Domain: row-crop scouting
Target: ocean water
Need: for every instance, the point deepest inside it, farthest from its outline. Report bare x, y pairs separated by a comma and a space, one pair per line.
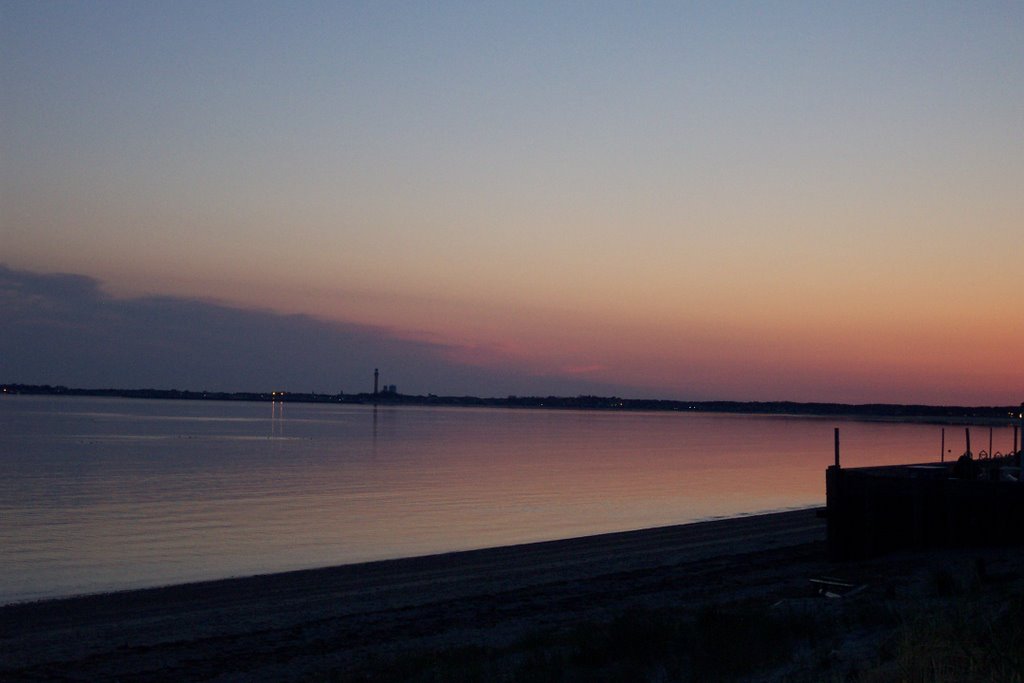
102, 494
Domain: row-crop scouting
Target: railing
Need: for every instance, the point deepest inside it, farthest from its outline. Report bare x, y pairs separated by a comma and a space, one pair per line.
989, 453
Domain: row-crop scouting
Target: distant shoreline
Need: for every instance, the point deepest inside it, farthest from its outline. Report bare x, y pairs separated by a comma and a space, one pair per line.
883, 412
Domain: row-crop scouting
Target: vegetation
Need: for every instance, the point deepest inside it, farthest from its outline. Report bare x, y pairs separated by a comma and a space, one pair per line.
647, 644
879, 411
956, 627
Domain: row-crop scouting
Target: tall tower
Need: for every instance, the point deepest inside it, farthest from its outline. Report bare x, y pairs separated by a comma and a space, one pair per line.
376, 378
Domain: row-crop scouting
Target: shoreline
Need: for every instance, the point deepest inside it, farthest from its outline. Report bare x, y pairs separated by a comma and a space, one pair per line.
668, 599
707, 533
994, 416
185, 620
552, 545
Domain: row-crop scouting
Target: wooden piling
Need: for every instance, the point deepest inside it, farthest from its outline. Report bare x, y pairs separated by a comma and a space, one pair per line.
1021, 416
837, 447
1020, 452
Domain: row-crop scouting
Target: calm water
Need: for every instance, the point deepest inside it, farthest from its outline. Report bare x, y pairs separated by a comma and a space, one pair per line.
102, 494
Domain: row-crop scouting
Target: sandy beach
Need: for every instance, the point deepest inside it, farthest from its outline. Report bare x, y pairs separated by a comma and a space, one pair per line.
420, 617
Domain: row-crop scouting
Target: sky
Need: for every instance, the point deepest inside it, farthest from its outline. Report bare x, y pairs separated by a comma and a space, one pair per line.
725, 200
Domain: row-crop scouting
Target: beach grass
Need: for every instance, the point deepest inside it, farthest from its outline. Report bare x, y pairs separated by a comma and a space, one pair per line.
637, 645
947, 627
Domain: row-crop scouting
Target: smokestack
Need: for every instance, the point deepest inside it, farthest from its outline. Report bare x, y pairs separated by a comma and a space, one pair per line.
376, 378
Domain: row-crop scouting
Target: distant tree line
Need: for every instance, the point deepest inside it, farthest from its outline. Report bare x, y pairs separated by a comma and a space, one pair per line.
882, 411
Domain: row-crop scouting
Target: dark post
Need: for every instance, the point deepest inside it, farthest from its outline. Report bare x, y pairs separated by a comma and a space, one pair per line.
1021, 415
990, 442
942, 447
837, 447
967, 430
835, 514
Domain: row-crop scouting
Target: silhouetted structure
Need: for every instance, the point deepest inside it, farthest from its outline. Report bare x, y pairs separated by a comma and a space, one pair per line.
376, 379
874, 510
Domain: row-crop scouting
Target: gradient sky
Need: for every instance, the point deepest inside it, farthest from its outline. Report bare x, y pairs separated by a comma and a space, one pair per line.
778, 200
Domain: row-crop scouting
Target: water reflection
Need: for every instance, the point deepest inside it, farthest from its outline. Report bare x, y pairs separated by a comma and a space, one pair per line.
276, 419
108, 493
375, 410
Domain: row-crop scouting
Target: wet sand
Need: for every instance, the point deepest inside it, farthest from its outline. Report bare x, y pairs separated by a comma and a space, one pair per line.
348, 621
